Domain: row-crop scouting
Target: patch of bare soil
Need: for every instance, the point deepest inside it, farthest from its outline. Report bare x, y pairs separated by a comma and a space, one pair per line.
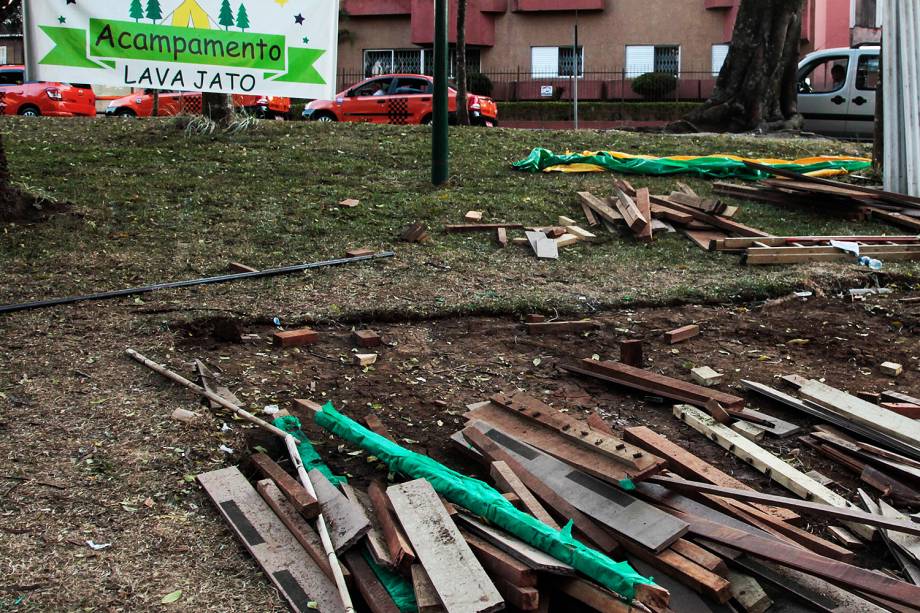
20, 207
89, 453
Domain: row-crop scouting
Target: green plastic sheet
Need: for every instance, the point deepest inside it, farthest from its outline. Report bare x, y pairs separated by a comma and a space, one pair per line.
486, 502
709, 167
399, 589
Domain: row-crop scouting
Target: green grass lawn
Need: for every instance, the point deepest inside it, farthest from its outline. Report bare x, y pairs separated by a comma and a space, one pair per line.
153, 205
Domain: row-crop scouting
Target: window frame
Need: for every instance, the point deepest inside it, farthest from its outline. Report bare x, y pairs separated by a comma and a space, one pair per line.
867, 57
809, 68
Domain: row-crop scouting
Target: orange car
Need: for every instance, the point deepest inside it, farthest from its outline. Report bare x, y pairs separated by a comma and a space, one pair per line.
140, 104
399, 99
34, 98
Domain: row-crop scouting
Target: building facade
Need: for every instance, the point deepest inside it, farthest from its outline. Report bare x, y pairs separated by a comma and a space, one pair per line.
527, 48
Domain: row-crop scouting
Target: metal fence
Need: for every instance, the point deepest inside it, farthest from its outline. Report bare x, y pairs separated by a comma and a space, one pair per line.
521, 84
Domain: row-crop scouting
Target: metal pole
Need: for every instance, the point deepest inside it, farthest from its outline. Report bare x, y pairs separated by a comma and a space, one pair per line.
577, 65
291, 444
271, 272
439, 150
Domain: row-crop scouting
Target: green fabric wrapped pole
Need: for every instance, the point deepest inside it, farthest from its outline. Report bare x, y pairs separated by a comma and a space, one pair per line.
486, 502
709, 166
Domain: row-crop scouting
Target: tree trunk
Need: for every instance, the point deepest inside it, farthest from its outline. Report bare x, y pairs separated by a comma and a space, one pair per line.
217, 107
757, 89
463, 113
156, 103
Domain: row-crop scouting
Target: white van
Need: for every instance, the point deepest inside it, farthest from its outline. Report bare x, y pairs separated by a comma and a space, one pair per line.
837, 91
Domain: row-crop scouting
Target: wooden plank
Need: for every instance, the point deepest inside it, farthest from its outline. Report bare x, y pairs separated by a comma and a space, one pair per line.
644, 205
773, 426
578, 431
507, 481
481, 227
826, 568
458, 578
767, 259
738, 243
704, 558
426, 597
592, 595
376, 544
748, 431
678, 217
519, 598
401, 552
748, 594
629, 211
346, 521
684, 570
592, 533
516, 548
298, 526
302, 584
302, 501
552, 443
720, 223
375, 596
501, 237
852, 513
704, 238
609, 506
891, 396
584, 198
500, 564
654, 383
765, 462
862, 412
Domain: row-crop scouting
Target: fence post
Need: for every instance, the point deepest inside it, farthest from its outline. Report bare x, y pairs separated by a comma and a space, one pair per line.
623, 86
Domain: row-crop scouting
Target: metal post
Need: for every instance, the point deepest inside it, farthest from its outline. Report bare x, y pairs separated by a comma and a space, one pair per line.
576, 65
439, 151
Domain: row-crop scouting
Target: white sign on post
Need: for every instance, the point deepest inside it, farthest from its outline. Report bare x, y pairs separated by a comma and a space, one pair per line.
266, 47
546, 91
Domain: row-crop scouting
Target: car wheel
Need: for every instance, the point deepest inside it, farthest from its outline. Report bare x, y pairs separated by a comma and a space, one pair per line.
326, 118
125, 113
426, 120
29, 111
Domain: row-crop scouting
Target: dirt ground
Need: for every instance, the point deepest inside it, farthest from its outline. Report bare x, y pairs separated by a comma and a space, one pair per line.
89, 452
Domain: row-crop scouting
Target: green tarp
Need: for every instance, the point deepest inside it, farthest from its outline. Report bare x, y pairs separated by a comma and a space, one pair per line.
486, 502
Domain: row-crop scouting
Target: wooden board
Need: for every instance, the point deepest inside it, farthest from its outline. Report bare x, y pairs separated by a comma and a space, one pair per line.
822, 510
426, 598
704, 238
302, 501
376, 597
798, 255
552, 443
346, 521
826, 568
298, 526
780, 428
597, 207
608, 505
376, 544
457, 576
298, 579
862, 412
654, 383
690, 466
765, 462
401, 552
629, 211
578, 432
508, 482
748, 593
500, 564
643, 203
210, 383
516, 548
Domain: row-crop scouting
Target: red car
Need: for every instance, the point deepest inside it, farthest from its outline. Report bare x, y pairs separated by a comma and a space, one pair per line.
399, 99
33, 98
175, 103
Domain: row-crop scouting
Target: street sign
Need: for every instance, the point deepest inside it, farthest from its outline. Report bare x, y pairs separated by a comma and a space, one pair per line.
267, 47
546, 91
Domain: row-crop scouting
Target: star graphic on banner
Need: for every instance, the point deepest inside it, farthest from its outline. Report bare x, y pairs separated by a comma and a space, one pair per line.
62, 19
306, 40
299, 19
281, 2
71, 1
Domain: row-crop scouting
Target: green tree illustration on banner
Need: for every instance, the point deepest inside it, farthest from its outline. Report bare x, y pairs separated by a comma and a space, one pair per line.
137, 11
242, 18
154, 12
226, 15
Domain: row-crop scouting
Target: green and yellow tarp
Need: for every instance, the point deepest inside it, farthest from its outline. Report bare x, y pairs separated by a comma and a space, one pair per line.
716, 166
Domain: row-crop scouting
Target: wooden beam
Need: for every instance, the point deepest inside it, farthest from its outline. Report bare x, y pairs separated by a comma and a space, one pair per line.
620, 512
748, 594
654, 383
375, 596
426, 598
347, 522
400, 550
629, 211
823, 510
507, 481
481, 227
302, 501
458, 578
516, 548
644, 205
376, 544
500, 564
593, 595
595, 205
301, 583
577, 431
765, 462
831, 570
704, 558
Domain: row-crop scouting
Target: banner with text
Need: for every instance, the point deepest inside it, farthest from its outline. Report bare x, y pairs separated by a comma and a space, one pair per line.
265, 47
